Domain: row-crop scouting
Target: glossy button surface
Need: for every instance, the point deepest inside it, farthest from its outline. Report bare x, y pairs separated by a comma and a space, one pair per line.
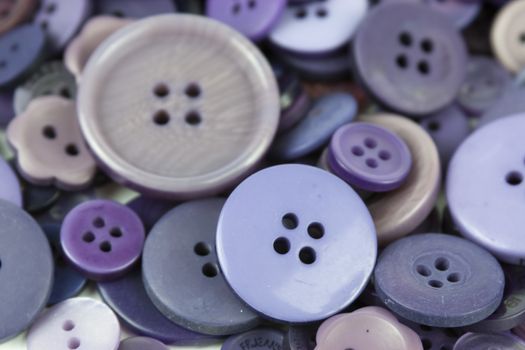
199, 131
369, 157
284, 245
49, 145
480, 341
102, 238
485, 189
179, 261
507, 36
430, 279
398, 212
253, 18
318, 27
26, 270
75, 324
410, 58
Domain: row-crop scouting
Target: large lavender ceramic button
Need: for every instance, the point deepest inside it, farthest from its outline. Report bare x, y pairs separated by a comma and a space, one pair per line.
485, 188
285, 246
203, 111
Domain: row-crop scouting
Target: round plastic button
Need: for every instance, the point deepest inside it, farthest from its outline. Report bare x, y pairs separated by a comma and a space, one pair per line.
484, 189
199, 131
369, 157
179, 261
480, 341
430, 279
300, 338
133, 8
366, 328
14, 13
67, 282
102, 239
150, 210
460, 12
284, 245
63, 204
141, 343
512, 102
253, 18
126, 293
78, 323
507, 36
26, 270
318, 27
61, 19
10, 189
49, 145
258, 339
399, 212
410, 58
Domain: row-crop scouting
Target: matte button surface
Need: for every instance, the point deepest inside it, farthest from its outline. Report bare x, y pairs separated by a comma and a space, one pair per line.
253, 18
61, 19
150, 210
199, 131
369, 157
433, 338
75, 324
6, 108
26, 270
285, 245
257, 339
141, 343
480, 341
51, 78
10, 189
93, 33
410, 58
128, 298
507, 39
14, 13
366, 328
512, 102
300, 338
485, 83
21, 49
485, 189
318, 27
430, 279
179, 261
67, 282
398, 212
314, 131
102, 238
49, 145
133, 8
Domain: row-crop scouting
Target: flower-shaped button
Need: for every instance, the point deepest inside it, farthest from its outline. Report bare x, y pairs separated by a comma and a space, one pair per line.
369, 157
285, 242
103, 239
49, 145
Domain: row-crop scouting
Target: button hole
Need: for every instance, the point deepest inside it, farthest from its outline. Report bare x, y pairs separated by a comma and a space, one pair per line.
115, 232
209, 270
105, 247
88, 237
281, 245
307, 255
201, 249
290, 221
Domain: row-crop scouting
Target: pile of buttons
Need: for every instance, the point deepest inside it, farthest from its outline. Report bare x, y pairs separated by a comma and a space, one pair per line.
262, 174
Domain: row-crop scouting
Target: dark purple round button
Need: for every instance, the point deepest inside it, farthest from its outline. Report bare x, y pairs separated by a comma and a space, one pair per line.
150, 210
133, 8
253, 18
26, 270
288, 246
181, 274
141, 343
431, 279
103, 239
128, 298
257, 339
300, 338
369, 157
410, 58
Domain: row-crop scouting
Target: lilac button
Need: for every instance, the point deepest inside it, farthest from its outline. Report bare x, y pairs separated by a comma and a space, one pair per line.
410, 58
318, 27
481, 341
78, 323
286, 246
511, 102
141, 343
101, 238
369, 157
461, 13
133, 8
10, 189
485, 188
253, 18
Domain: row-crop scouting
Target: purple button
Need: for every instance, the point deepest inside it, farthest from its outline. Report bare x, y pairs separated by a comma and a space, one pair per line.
253, 18
410, 58
481, 341
141, 343
150, 210
78, 323
10, 189
485, 188
369, 157
461, 13
26, 270
101, 238
277, 238
133, 8
257, 339
318, 27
